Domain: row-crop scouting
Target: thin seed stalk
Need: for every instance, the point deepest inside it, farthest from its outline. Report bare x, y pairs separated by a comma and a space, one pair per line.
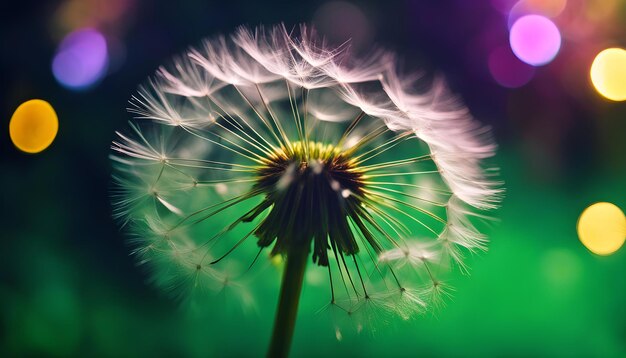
284, 324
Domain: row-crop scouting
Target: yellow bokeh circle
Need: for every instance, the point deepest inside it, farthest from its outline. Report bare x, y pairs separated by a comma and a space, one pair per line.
608, 74
602, 228
33, 126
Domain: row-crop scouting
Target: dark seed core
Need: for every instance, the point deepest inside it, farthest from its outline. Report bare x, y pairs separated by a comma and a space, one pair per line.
313, 194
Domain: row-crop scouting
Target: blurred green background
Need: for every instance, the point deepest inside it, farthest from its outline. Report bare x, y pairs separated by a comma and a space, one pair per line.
68, 286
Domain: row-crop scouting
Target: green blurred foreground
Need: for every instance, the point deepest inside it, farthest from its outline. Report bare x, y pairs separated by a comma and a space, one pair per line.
537, 292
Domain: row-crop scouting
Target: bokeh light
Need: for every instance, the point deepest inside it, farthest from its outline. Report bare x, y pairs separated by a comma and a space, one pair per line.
102, 14
508, 70
602, 228
503, 6
33, 126
547, 8
81, 60
535, 39
608, 74
550, 8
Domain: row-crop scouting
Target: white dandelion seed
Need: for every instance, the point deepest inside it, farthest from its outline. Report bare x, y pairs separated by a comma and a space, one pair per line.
272, 140
415, 253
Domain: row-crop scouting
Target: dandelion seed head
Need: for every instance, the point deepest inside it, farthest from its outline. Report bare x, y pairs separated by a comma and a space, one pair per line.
270, 139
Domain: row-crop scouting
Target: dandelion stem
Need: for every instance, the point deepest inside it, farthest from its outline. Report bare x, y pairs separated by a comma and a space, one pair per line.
287, 310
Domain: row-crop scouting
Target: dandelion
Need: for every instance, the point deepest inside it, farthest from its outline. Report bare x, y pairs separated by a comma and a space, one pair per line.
272, 144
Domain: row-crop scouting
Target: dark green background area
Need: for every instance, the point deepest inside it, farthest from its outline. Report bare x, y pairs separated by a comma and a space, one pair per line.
69, 287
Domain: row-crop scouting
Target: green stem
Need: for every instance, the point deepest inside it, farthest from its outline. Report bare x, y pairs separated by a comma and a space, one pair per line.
287, 310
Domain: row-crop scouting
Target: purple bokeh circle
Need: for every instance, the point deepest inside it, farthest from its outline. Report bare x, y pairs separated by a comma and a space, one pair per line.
81, 59
508, 70
535, 39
